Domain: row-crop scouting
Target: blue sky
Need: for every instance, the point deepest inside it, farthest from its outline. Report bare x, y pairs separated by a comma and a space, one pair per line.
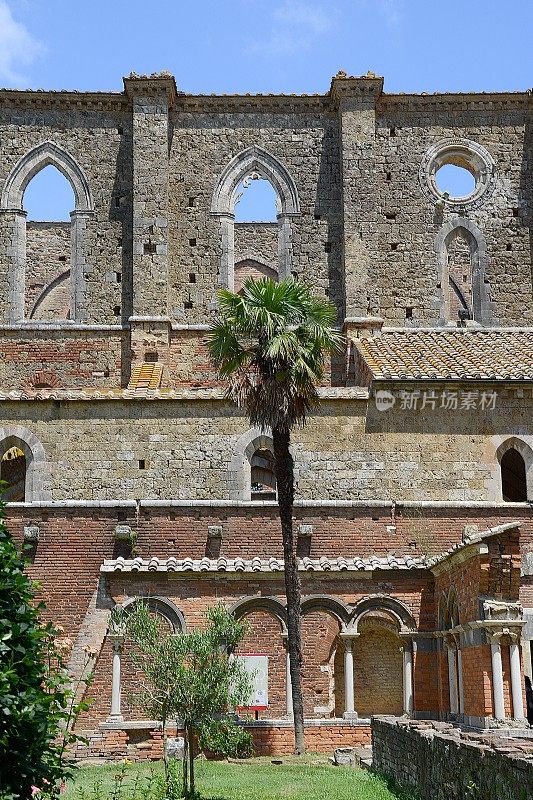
275, 46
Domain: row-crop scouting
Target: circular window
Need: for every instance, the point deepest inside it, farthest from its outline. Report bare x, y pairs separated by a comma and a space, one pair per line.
457, 182
457, 172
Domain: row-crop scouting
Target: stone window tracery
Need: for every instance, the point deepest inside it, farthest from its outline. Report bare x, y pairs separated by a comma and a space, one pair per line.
249, 165
46, 286
464, 291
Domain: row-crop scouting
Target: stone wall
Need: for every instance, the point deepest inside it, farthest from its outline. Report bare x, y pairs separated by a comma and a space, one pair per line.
439, 762
47, 270
127, 447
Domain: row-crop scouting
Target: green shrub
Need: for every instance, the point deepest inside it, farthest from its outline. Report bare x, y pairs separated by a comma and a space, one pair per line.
223, 737
36, 703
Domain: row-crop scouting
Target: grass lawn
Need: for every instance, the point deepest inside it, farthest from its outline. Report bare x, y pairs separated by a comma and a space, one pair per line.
251, 780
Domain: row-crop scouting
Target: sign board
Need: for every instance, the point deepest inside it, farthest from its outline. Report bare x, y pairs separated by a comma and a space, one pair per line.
257, 667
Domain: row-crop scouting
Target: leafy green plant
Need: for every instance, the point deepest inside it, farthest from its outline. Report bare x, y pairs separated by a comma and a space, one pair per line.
224, 738
189, 676
37, 702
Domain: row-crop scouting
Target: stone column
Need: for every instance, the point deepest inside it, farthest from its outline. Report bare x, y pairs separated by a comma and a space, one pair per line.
349, 691
460, 678
407, 678
13, 221
497, 680
78, 265
117, 643
516, 682
288, 683
355, 100
452, 677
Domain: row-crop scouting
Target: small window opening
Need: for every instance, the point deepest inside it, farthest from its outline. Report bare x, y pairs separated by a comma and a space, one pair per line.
514, 482
394, 246
192, 242
392, 131
116, 311
515, 212
388, 176
391, 216
456, 181
149, 248
191, 202
118, 277
263, 479
409, 312
192, 277
151, 357
255, 200
62, 259
509, 246
13, 472
120, 131
142, 463
187, 304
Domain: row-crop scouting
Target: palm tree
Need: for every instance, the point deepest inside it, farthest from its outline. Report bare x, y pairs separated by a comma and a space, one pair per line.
271, 342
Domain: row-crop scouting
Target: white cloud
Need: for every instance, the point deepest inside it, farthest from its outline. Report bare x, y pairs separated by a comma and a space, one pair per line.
295, 27
18, 48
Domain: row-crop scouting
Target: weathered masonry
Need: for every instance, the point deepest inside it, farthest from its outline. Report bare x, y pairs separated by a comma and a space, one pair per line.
131, 476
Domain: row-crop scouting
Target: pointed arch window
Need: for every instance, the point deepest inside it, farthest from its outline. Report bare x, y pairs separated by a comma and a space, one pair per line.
463, 287
255, 165
47, 262
514, 477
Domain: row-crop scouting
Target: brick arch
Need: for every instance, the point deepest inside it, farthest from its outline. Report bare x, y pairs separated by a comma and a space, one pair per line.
397, 611
330, 605
269, 605
252, 268
43, 155
162, 606
37, 466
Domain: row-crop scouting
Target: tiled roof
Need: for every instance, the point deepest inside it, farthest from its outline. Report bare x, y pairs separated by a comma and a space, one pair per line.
323, 564
257, 564
449, 355
143, 393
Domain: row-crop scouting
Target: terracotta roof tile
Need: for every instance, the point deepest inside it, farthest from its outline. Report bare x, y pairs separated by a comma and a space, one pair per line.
449, 355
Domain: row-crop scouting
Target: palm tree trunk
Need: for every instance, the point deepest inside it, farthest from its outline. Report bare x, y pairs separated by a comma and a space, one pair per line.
284, 469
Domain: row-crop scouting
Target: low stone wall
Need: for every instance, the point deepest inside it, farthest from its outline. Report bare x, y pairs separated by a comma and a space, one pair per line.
142, 741
440, 762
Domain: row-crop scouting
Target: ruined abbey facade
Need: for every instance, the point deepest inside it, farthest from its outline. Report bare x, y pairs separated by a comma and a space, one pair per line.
129, 475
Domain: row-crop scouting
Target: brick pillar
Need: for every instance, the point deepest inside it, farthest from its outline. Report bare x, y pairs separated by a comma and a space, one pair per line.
151, 99
355, 101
